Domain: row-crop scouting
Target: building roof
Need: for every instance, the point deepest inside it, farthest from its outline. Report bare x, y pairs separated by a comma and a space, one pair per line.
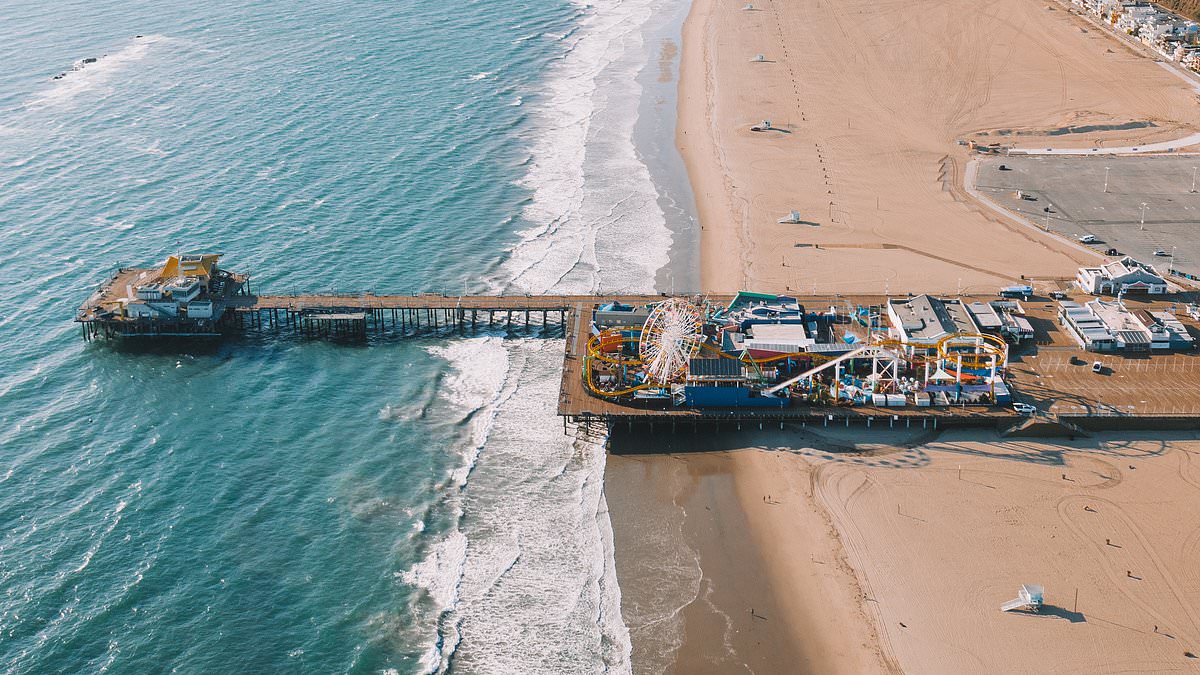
720, 368
779, 332
1133, 337
986, 316
1128, 270
189, 265
746, 300
926, 318
1115, 317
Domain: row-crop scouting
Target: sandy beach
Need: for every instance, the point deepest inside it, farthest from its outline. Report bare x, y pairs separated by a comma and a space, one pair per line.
843, 551
728, 565
870, 101
895, 556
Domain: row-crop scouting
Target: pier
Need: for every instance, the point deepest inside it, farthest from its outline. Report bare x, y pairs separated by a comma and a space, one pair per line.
138, 303
190, 297
365, 314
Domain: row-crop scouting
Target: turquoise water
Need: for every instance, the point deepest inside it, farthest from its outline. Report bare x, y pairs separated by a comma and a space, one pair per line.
283, 505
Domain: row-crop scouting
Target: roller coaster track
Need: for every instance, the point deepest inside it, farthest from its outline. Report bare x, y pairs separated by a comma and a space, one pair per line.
991, 346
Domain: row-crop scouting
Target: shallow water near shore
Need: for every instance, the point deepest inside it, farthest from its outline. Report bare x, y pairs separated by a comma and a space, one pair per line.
268, 505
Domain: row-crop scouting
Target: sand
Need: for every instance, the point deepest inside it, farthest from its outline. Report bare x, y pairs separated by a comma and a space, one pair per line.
946, 532
895, 557
727, 565
873, 99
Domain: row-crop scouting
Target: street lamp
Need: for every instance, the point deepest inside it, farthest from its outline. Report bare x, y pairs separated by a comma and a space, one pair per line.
1047, 225
1106, 179
1143, 225
1194, 178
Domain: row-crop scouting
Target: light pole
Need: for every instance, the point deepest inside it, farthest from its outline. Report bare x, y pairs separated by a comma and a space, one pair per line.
1194, 178
1143, 225
1171, 269
1047, 225
1106, 179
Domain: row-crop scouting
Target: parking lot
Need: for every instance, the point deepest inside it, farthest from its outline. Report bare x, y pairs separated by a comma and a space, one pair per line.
1073, 189
1162, 384
1056, 374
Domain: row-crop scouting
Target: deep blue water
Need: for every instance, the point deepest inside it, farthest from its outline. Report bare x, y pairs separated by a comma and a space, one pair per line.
284, 505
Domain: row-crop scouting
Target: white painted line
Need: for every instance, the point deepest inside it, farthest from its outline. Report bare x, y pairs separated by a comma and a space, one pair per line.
1162, 146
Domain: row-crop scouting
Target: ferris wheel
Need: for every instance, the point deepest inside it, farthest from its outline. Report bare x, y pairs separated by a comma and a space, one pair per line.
670, 338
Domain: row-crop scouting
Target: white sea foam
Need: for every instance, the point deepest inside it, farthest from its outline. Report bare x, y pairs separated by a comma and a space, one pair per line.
439, 572
596, 220
538, 590
155, 149
94, 76
475, 385
527, 583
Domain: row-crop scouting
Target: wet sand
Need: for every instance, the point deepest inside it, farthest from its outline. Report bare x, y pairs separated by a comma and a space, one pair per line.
896, 556
726, 565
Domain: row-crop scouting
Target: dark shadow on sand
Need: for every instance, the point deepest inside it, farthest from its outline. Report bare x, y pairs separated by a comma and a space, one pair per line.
1062, 613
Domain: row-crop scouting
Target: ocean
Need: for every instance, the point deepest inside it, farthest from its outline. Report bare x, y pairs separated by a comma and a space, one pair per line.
285, 505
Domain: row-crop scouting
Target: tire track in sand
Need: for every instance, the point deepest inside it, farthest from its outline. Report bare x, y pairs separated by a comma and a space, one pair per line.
1135, 548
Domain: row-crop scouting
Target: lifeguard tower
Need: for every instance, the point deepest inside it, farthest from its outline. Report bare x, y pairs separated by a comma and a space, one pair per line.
1029, 599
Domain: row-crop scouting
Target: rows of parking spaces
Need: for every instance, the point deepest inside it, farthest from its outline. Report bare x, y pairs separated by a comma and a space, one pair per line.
1067, 382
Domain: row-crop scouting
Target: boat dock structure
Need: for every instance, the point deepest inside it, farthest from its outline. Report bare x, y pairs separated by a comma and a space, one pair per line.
1014, 360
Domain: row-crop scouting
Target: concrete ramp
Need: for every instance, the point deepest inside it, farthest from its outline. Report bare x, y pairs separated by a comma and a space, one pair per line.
1043, 426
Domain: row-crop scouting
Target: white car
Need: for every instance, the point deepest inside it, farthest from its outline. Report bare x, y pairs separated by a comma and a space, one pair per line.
1024, 408
1088, 239
1161, 253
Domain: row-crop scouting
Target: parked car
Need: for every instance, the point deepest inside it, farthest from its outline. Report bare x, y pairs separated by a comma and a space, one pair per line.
1161, 253
1058, 295
1112, 252
1024, 408
1088, 239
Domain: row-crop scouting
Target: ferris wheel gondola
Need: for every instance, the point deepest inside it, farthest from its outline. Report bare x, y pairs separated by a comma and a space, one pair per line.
670, 338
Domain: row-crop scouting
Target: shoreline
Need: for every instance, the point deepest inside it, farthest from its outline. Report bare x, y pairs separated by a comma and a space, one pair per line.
654, 142
694, 138
716, 577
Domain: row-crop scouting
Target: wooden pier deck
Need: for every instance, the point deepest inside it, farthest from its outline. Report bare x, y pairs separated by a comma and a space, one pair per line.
1153, 391
364, 313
